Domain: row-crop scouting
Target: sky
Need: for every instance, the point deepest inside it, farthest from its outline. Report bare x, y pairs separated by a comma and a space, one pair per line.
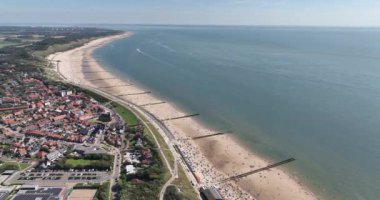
193, 12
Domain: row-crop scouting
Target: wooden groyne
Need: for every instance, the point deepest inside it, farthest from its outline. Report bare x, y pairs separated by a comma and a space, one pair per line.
137, 93
125, 85
101, 79
89, 72
181, 117
210, 135
258, 170
154, 103
88, 60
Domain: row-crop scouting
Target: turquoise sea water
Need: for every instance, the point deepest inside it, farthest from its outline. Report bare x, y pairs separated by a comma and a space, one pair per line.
308, 93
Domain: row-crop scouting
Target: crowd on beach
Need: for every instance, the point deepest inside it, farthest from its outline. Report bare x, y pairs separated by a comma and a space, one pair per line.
209, 176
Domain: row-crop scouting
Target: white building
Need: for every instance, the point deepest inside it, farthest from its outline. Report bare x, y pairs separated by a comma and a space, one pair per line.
53, 155
130, 169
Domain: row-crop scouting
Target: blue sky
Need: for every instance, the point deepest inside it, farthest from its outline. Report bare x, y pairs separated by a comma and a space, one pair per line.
216, 12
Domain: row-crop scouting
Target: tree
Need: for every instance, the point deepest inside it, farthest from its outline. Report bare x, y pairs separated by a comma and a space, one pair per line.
172, 193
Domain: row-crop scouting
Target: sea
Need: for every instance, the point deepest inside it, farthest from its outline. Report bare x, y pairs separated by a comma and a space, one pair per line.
312, 93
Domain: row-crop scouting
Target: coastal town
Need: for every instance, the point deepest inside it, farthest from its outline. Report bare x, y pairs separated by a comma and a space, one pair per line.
189, 100
62, 136
70, 135
51, 129
57, 141
57, 136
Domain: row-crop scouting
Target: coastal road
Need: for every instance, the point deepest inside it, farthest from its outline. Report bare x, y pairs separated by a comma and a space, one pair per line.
152, 120
164, 131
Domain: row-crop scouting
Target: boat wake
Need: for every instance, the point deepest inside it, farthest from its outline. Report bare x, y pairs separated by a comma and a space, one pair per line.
166, 47
152, 57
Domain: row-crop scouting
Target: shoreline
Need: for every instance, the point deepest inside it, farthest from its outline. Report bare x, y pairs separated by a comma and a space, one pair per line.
215, 158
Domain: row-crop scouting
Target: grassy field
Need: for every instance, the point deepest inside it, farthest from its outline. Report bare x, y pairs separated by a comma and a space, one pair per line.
93, 161
23, 165
183, 183
76, 162
13, 166
6, 43
126, 114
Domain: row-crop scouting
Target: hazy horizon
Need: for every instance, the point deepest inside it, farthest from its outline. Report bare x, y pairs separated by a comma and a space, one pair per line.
351, 13
113, 25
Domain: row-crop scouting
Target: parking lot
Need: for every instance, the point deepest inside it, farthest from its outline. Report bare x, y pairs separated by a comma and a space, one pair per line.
58, 177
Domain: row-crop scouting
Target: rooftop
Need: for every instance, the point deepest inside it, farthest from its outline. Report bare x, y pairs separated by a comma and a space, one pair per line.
3, 195
45, 193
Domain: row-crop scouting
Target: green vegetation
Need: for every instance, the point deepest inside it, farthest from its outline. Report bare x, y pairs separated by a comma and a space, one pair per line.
187, 192
168, 154
103, 192
126, 114
92, 161
29, 55
7, 43
12, 166
77, 162
23, 165
87, 186
56, 44
102, 189
94, 95
183, 184
147, 182
173, 193
5, 148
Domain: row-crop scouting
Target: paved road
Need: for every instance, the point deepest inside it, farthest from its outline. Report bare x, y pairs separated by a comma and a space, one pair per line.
173, 172
154, 121
116, 170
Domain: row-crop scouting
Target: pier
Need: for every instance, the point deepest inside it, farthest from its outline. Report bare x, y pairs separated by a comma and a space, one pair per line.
210, 135
233, 178
181, 117
137, 93
154, 103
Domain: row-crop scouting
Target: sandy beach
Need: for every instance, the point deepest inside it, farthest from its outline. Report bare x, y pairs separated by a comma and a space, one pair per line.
213, 158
